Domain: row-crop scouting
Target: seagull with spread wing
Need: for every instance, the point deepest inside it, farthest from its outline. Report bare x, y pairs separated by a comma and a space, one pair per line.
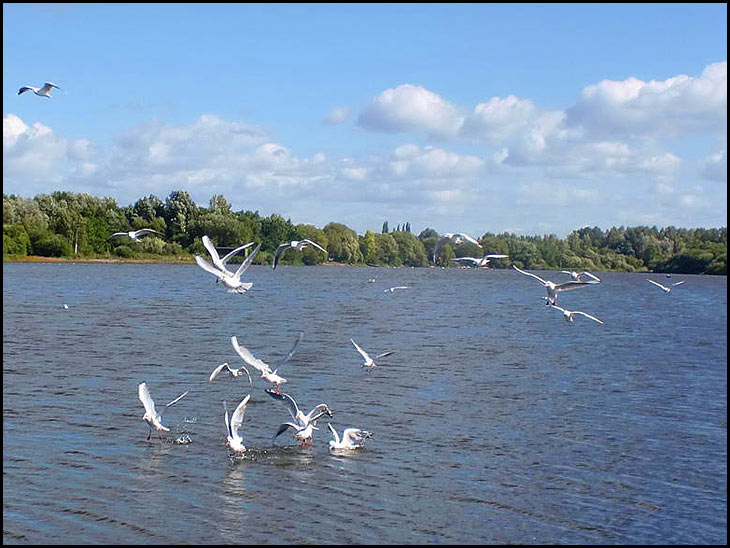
352, 438
553, 289
234, 439
231, 281
268, 374
303, 425
234, 372
217, 261
133, 235
45, 91
664, 287
569, 315
294, 244
151, 416
370, 362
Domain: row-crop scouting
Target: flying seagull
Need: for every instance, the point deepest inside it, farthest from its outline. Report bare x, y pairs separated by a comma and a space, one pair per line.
578, 275
294, 244
570, 315
268, 374
235, 441
370, 362
231, 281
484, 261
45, 91
151, 416
134, 235
352, 438
455, 238
234, 372
304, 425
553, 288
664, 287
217, 261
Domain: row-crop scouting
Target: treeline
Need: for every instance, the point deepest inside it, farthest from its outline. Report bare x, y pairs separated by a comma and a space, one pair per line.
64, 224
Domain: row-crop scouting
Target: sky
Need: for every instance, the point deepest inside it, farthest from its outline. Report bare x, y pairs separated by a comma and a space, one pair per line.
527, 118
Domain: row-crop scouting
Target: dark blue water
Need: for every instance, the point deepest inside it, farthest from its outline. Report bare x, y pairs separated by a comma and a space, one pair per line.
495, 422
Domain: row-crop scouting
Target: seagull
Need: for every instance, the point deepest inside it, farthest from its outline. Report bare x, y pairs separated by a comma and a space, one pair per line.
267, 373
303, 424
231, 281
65, 307
235, 441
577, 275
553, 288
134, 235
370, 362
392, 289
45, 91
352, 438
217, 261
569, 315
664, 287
151, 416
294, 244
479, 262
234, 372
455, 238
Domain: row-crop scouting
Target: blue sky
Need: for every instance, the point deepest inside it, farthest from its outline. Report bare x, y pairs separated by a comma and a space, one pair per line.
530, 118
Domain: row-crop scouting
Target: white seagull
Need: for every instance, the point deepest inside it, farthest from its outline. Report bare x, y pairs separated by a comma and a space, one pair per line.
231, 281
217, 261
392, 289
134, 235
569, 315
459, 237
352, 438
479, 262
370, 362
304, 425
45, 91
151, 416
235, 441
234, 372
553, 288
577, 275
664, 287
268, 374
294, 244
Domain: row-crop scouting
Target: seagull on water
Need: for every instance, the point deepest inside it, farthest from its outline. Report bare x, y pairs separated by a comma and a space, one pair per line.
235, 441
234, 372
569, 315
294, 244
484, 261
151, 416
352, 438
370, 362
217, 261
392, 289
134, 235
45, 91
553, 288
268, 374
231, 281
304, 425
664, 287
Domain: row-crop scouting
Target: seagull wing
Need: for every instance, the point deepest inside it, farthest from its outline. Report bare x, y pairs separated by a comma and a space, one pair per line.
496, 256
388, 353
657, 284
205, 265
679, 283
24, 89
279, 251
237, 417
538, 278
315, 244
227, 257
246, 263
293, 349
249, 358
146, 399
173, 402
48, 86
213, 252
593, 276
588, 316
466, 260
573, 284
216, 371
334, 433
283, 428
288, 401
362, 352
466, 237
118, 235
557, 308
145, 231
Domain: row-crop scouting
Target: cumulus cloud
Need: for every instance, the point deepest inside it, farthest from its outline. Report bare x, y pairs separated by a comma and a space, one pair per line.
677, 105
411, 108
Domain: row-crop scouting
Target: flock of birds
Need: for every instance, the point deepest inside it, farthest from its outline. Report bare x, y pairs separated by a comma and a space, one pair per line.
304, 424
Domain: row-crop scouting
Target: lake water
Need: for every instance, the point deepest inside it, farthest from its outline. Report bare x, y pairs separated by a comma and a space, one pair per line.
495, 422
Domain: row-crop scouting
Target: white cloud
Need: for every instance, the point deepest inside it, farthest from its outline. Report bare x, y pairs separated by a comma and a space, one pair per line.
677, 105
337, 115
715, 167
411, 108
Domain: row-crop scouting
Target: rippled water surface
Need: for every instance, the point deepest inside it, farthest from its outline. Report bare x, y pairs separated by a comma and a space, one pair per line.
495, 422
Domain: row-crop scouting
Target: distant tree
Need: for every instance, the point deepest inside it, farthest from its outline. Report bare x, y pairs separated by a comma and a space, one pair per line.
385, 228
342, 245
